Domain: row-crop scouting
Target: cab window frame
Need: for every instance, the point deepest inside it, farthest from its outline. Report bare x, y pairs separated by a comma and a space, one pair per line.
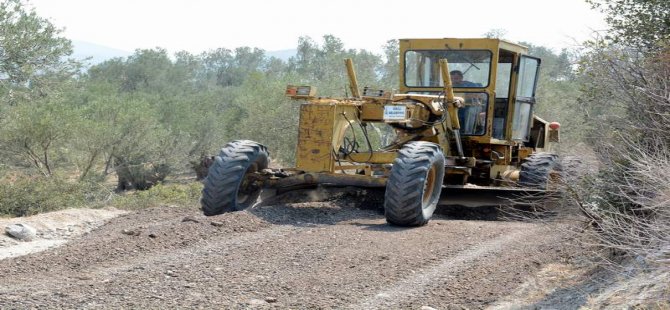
488, 74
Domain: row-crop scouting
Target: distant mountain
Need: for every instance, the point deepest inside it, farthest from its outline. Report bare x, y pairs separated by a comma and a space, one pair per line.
97, 53
282, 54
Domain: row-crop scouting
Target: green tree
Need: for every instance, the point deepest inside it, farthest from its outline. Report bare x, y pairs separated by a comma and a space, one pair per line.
391, 66
323, 66
35, 76
35, 132
216, 65
642, 23
147, 70
33, 55
273, 120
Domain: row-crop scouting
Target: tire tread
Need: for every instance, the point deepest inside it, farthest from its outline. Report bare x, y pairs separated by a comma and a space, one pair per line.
219, 193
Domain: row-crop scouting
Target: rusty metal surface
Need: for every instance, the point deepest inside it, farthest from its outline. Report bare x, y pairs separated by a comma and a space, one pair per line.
331, 179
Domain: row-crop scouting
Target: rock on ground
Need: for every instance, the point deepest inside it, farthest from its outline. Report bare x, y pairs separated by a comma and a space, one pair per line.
21, 232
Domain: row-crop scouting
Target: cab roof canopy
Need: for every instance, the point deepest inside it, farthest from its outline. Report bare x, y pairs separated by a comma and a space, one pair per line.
461, 43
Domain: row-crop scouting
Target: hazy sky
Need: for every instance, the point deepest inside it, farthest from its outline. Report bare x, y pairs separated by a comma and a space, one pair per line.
200, 25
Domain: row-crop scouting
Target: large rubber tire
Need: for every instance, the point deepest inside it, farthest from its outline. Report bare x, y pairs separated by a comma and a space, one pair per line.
227, 186
414, 186
536, 169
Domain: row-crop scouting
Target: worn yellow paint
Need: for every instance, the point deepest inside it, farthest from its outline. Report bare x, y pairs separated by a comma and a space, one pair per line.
374, 157
325, 121
320, 133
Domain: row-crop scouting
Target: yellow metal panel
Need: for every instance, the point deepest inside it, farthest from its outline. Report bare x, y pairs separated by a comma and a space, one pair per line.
315, 136
512, 47
458, 43
372, 112
323, 124
374, 158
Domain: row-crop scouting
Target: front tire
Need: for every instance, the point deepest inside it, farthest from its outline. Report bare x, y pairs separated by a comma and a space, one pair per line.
229, 185
536, 169
414, 186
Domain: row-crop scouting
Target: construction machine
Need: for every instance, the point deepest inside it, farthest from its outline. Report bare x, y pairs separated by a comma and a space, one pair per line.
475, 132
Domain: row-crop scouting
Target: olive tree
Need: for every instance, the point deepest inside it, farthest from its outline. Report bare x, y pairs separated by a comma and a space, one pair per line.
33, 54
35, 72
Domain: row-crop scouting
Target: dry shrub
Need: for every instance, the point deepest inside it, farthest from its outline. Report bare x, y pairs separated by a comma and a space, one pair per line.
627, 202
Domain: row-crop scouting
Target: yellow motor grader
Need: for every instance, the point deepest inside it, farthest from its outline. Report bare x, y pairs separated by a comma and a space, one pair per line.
463, 118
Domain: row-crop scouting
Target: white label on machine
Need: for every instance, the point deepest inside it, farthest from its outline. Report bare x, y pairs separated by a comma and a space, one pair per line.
395, 112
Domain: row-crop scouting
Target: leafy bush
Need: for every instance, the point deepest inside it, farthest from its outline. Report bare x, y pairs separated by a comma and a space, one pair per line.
28, 196
161, 194
24, 196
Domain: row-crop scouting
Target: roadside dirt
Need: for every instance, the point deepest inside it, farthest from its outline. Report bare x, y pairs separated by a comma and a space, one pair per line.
332, 254
53, 229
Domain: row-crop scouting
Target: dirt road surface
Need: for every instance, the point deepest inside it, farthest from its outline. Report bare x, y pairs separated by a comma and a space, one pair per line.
335, 254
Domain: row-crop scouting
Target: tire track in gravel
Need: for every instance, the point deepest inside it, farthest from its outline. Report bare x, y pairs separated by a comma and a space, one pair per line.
248, 239
419, 282
202, 249
314, 255
415, 286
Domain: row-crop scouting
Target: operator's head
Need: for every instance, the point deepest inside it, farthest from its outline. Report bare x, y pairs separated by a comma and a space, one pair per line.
456, 77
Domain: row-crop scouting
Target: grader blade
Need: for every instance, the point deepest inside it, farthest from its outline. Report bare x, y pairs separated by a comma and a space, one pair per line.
480, 196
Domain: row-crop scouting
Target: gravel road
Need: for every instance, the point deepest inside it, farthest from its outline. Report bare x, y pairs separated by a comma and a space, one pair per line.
333, 254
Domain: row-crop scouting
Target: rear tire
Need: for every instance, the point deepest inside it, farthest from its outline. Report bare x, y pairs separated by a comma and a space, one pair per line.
536, 169
414, 187
228, 186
